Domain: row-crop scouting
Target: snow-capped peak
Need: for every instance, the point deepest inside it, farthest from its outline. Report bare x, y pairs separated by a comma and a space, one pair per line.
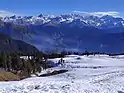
93, 19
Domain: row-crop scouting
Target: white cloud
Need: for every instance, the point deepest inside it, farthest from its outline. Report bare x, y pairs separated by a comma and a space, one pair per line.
5, 13
106, 13
99, 14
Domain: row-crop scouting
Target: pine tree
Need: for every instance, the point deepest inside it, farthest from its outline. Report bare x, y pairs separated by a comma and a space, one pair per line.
4, 60
9, 62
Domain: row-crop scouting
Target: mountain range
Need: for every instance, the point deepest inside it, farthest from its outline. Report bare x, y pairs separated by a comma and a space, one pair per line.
72, 32
80, 20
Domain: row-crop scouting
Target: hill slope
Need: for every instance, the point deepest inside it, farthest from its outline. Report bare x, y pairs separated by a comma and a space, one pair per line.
10, 45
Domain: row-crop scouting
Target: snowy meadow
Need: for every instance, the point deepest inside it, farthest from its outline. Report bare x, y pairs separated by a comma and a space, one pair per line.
86, 74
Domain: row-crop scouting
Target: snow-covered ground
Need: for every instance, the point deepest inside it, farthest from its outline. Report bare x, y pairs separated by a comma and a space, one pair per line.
92, 74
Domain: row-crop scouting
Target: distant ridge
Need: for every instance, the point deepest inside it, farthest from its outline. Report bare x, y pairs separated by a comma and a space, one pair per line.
10, 45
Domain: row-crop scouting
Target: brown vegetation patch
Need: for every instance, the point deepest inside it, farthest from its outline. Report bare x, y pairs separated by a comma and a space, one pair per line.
8, 76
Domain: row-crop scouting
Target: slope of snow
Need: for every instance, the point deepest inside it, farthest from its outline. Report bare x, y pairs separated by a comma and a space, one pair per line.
92, 74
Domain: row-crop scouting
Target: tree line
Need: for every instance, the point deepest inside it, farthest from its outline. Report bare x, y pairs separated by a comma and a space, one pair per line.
35, 62
13, 63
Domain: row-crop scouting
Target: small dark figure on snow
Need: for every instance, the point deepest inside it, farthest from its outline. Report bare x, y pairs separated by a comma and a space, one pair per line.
61, 61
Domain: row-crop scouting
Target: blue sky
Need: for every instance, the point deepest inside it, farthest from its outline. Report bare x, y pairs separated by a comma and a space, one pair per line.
34, 7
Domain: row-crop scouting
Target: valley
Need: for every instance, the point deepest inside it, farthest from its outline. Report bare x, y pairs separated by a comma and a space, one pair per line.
68, 32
